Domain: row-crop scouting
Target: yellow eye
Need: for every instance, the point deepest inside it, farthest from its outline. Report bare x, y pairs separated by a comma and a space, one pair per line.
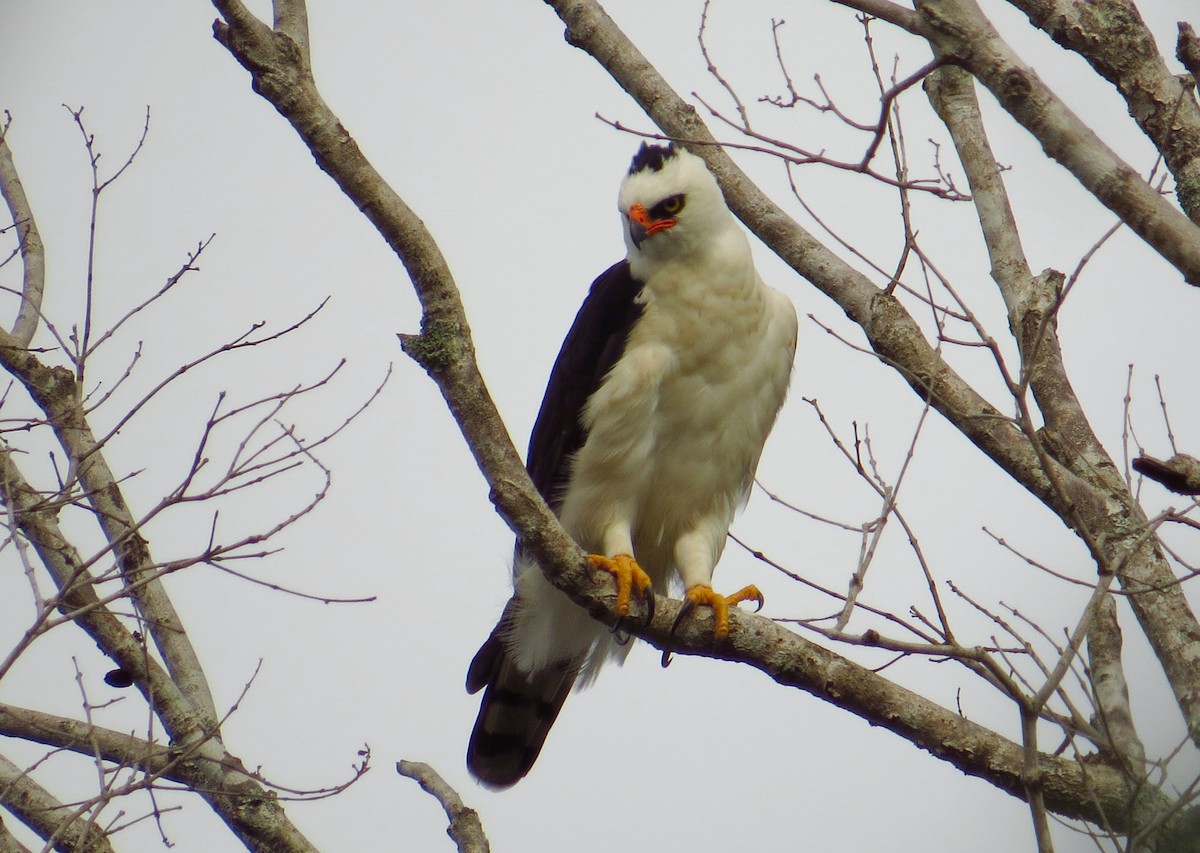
672, 205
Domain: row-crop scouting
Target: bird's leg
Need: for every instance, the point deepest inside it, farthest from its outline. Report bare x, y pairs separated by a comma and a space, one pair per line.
631, 578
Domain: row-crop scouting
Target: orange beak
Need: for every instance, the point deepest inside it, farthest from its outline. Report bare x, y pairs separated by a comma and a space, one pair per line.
642, 226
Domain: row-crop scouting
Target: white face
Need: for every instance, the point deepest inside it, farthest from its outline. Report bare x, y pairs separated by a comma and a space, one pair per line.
683, 177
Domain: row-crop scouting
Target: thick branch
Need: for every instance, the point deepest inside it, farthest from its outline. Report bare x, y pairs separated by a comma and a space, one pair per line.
59, 395
1187, 50
960, 32
121, 748
281, 74
1114, 716
37, 808
1113, 38
37, 521
951, 91
8, 843
1115, 530
249, 809
885, 10
1180, 473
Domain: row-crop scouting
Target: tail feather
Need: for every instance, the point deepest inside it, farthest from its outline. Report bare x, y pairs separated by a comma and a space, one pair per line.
516, 713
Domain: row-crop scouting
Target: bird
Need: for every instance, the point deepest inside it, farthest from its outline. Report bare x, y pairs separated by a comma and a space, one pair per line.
645, 446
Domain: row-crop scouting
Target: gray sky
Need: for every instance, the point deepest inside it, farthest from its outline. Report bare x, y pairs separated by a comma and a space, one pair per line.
483, 119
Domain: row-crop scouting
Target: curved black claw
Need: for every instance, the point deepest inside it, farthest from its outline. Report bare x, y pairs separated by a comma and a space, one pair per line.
688, 607
620, 634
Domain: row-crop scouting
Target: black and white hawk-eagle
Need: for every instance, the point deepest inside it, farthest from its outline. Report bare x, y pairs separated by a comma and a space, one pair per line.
645, 446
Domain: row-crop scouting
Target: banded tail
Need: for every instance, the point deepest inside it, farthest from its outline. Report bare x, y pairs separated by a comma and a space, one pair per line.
516, 713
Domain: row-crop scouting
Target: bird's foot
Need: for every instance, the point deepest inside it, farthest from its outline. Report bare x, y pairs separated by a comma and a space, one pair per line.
702, 594
631, 578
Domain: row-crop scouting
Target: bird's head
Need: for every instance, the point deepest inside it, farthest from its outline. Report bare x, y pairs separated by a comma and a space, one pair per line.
670, 203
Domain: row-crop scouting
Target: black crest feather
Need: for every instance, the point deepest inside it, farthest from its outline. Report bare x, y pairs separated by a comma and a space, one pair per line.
651, 157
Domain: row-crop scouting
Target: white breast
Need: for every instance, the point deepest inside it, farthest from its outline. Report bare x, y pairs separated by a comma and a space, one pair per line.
676, 429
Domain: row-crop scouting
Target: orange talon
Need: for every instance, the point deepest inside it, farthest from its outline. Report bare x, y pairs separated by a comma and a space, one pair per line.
703, 594
630, 577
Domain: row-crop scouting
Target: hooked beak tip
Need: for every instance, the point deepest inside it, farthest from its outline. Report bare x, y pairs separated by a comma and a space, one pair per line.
637, 233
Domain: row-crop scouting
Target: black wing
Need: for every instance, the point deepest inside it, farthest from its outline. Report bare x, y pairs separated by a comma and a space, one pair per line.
592, 346
518, 708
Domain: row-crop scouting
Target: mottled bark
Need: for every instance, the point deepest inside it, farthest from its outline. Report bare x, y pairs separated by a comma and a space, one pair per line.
1113, 38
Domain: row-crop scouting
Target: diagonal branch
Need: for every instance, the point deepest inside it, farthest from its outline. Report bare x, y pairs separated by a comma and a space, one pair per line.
181, 700
1113, 38
1114, 716
885, 10
53, 821
1116, 533
36, 518
249, 809
58, 394
282, 75
960, 32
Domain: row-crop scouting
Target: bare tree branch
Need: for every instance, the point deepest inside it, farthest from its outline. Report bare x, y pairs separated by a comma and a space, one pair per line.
33, 254
9, 844
1180, 473
465, 828
250, 810
83, 342
1113, 38
951, 91
180, 698
53, 821
1187, 50
885, 10
959, 31
1114, 715
1067, 436
120, 748
281, 73
57, 393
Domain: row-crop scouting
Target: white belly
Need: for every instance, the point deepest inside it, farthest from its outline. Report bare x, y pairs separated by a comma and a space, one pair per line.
676, 429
